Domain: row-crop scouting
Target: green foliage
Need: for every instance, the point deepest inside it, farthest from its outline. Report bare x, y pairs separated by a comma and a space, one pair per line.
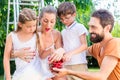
116, 30
83, 11
3, 17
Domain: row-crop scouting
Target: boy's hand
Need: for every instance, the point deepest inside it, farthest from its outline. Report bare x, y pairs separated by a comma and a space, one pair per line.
67, 57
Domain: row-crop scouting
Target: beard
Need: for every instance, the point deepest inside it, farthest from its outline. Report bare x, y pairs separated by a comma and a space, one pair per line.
97, 37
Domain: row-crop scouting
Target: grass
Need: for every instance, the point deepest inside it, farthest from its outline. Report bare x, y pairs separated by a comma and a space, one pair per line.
1, 77
93, 69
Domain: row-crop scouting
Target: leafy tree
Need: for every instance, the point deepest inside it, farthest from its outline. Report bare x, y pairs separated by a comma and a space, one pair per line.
3, 17
116, 29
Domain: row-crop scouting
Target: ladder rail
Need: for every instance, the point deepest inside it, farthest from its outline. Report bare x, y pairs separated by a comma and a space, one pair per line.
8, 14
15, 15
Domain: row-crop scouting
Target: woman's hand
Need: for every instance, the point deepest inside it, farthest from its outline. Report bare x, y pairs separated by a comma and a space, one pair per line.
56, 55
67, 56
25, 54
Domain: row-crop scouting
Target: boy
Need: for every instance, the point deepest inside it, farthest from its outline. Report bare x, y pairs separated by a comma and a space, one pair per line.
74, 39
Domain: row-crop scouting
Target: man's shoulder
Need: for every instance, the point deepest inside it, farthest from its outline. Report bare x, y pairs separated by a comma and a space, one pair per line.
114, 40
113, 44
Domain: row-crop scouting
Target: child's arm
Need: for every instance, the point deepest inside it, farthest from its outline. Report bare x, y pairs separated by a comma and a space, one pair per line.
6, 60
79, 49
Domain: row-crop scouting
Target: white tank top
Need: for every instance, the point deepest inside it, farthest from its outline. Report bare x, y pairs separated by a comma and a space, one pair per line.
23, 69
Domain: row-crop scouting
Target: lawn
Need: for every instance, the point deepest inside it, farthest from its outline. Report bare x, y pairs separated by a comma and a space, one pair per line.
1, 77
93, 69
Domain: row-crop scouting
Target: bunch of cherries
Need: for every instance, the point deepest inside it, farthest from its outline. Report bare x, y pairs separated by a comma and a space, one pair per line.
56, 64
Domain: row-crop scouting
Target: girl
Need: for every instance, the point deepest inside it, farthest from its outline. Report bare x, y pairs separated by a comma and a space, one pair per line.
25, 36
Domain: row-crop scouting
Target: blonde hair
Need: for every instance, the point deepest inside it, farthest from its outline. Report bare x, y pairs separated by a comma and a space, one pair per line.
26, 14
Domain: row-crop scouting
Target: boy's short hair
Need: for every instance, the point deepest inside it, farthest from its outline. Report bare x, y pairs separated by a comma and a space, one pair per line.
66, 8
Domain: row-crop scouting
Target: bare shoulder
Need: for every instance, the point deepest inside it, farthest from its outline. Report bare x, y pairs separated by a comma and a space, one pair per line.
56, 33
9, 36
9, 41
114, 41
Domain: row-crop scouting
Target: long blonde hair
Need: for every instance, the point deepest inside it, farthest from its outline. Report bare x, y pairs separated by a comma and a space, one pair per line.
26, 14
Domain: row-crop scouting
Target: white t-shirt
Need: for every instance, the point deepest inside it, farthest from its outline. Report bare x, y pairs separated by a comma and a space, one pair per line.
71, 40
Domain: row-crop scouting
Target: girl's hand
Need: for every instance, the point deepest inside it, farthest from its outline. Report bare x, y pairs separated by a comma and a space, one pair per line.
25, 54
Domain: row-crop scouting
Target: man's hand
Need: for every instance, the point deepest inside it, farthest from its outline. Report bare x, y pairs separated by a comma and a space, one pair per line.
61, 72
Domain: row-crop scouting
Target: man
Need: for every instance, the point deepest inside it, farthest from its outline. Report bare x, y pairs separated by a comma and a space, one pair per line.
106, 49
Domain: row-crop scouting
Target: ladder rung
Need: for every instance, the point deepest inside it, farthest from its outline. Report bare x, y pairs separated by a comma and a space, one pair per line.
10, 22
29, 0
28, 4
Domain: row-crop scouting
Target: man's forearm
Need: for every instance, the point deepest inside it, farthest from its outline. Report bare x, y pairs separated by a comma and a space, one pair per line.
86, 75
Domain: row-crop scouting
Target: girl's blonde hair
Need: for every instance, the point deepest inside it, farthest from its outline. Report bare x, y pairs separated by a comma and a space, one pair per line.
26, 14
